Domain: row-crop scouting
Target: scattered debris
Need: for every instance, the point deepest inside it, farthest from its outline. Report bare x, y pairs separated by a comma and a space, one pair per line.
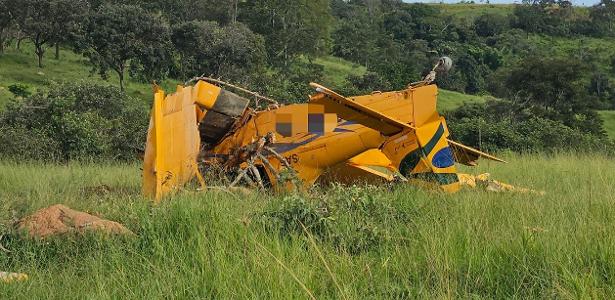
491, 185
60, 219
7, 277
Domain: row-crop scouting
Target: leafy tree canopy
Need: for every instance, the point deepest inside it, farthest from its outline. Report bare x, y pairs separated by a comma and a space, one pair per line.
116, 35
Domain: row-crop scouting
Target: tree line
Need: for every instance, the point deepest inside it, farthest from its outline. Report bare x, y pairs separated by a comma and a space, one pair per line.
545, 100
242, 40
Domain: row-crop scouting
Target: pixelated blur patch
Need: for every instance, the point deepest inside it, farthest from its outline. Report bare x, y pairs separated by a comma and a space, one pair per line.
316, 123
284, 129
284, 124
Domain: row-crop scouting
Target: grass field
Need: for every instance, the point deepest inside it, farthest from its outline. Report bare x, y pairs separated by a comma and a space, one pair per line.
609, 122
603, 49
471, 11
396, 242
336, 70
21, 67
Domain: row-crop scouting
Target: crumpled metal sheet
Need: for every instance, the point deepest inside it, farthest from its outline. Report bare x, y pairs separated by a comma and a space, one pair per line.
8, 277
173, 143
484, 181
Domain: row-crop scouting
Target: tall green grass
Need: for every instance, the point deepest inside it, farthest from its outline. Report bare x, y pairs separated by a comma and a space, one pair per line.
377, 242
450, 100
608, 116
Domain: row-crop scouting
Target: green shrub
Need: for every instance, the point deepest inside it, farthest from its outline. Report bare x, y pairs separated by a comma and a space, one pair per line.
349, 218
18, 142
295, 212
19, 90
365, 84
74, 121
289, 84
500, 125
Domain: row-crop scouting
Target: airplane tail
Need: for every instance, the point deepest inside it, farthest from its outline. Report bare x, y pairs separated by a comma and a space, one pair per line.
421, 147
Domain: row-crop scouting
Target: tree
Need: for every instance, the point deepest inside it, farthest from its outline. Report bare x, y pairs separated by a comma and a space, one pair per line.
231, 51
67, 23
290, 28
543, 16
221, 11
116, 35
602, 17
553, 88
46, 21
490, 24
355, 38
6, 20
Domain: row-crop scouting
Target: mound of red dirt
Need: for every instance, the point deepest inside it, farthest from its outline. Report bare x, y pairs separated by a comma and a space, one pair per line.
60, 219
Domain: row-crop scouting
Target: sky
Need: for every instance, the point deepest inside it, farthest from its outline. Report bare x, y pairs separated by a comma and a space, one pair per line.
575, 2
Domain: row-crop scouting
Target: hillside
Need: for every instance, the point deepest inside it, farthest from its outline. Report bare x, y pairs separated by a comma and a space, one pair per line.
471, 11
20, 67
609, 122
252, 209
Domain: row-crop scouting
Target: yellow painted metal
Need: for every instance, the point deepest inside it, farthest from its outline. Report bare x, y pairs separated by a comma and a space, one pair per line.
407, 132
358, 137
173, 143
424, 103
375, 162
206, 94
8, 277
348, 109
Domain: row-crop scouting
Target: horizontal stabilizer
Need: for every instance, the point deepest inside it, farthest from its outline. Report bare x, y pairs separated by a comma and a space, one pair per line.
467, 155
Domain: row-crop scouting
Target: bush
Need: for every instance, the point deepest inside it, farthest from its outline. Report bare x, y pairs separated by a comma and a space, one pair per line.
231, 52
74, 121
18, 142
19, 90
349, 218
490, 24
365, 84
501, 125
290, 83
295, 212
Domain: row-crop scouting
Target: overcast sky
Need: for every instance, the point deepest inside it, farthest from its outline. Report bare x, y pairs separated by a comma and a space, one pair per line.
575, 2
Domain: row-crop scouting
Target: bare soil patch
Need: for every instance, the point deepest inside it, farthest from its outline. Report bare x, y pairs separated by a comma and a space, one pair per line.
60, 219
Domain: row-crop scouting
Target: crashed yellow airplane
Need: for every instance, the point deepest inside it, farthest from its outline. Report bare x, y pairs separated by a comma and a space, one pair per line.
392, 136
